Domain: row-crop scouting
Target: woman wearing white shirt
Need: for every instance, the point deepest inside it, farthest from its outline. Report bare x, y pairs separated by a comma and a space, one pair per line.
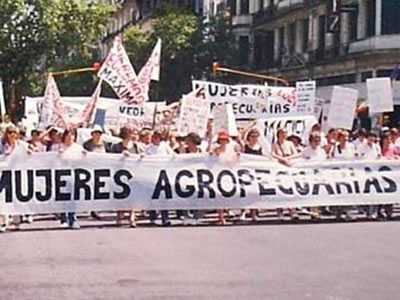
344, 149
315, 152
68, 145
370, 150
9, 144
284, 151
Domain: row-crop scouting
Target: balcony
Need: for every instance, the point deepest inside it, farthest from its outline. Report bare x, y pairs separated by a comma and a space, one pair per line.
242, 20
376, 43
289, 4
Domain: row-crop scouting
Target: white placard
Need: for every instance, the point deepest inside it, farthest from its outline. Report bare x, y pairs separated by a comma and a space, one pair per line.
224, 119
305, 96
194, 115
2, 102
380, 95
342, 108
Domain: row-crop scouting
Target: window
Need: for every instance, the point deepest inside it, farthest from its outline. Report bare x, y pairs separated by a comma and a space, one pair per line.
371, 15
260, 5
233, 7
244, 7
292, 37
244, 50
390, 16
305, 34
353, 16
321, 37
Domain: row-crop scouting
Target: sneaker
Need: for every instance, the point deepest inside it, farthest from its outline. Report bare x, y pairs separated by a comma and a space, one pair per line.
242, 216
75, 226
3, 228
64, 225
29, 219
132, 224
349, 217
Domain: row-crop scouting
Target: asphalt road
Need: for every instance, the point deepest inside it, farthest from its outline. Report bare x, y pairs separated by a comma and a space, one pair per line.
333, 261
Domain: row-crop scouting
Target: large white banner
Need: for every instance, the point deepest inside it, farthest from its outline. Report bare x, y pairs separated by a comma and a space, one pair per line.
256, 101
51, 182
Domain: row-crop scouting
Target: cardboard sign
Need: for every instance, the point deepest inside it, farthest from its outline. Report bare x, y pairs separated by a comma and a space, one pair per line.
380, 95
342, 108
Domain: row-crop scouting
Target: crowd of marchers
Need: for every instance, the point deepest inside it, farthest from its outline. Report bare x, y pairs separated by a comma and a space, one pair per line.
335, 144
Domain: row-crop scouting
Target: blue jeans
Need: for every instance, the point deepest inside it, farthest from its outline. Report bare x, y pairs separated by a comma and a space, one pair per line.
69, 218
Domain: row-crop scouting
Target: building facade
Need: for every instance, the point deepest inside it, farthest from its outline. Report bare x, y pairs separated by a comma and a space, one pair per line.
331, 41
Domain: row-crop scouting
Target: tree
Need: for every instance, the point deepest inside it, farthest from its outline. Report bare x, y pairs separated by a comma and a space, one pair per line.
190, 45
41, 35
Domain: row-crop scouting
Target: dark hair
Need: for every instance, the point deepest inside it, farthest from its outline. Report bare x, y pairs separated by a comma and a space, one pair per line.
67, 132
252, 131
195, 138
362, 132
157, 134
34, 131
372, 134
124, 132
385, 136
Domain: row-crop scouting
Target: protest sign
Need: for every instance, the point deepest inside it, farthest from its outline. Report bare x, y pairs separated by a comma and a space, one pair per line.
193, 117
254, 101
2, 102
72, 107
380, 96
224, 119
342, 108
54, 183
300, 126
306, 96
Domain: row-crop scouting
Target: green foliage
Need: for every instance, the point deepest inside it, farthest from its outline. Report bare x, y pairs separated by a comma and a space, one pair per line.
189, 46
45, 35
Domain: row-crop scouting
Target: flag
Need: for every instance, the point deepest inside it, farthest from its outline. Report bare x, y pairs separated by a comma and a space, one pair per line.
151, 70
53, 112
83, 118
119, 73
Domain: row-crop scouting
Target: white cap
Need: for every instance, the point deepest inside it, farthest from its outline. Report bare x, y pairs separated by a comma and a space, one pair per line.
97, 128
